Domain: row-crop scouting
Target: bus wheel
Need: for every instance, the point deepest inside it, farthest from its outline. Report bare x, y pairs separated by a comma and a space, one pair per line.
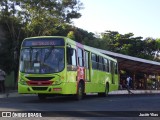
105, 93
41, 96
106, 90
80, 90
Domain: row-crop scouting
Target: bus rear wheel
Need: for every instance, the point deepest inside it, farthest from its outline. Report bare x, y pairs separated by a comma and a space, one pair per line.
105, 93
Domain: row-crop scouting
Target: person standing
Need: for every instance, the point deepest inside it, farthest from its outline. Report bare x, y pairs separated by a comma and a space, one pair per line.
128, 80
2, 80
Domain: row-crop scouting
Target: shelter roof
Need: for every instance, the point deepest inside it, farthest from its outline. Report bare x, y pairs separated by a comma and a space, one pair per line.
133, 63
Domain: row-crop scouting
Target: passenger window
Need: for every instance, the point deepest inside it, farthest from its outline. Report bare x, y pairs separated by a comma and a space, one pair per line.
94, 61
80, 57
86, 59
71, 56
106, 65
116, 68
100, 63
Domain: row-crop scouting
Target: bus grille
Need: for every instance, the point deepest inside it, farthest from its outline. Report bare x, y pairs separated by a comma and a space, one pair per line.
39, 88
39, 83
39, 78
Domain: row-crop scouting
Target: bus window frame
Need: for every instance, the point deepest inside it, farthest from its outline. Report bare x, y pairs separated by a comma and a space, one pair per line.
95, 61
100, 63
80, 56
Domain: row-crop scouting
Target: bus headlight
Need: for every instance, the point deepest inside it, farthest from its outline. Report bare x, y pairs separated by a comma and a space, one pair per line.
23, 82
58, 80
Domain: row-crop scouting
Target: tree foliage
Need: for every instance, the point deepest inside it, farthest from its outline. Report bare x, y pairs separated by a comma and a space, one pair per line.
41, 17
25, 18
71, 35
130, 45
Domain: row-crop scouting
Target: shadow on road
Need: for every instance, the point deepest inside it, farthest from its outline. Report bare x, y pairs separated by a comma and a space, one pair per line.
61, 99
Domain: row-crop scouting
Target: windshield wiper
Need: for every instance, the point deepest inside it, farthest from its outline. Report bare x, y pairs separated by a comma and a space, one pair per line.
30, 53
48, 53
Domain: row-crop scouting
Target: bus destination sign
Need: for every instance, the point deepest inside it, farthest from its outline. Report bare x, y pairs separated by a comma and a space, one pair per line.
39, 43
43, 42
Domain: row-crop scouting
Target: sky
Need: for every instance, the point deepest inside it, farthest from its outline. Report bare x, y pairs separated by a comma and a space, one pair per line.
140, 17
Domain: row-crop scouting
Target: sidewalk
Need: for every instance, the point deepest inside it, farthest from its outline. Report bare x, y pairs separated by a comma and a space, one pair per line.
14, 93
135, 92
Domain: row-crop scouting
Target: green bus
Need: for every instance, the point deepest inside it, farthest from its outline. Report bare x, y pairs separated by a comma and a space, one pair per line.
56, 65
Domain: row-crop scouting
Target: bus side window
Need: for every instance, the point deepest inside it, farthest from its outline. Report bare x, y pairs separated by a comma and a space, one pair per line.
106, 65
94, 61
109, 66
116, 68
80, 57
86, 53
100, 63
71, 56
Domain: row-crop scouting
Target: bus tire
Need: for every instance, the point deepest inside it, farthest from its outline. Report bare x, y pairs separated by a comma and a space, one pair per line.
105, 93
80, 91
41, 96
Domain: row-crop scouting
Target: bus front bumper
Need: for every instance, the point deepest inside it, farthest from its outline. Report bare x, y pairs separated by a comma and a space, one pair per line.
63, 88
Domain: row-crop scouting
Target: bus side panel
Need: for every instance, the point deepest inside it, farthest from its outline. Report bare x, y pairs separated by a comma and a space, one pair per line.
92, 86
71, 84
113, 87
103, 78
98, 82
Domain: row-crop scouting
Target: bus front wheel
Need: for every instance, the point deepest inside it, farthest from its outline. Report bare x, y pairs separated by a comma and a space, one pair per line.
80, 91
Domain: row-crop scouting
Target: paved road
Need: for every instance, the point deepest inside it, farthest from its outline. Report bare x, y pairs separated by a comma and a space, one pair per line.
141, 103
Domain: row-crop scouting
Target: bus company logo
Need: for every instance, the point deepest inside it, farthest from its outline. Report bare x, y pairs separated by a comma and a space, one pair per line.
20, 114
39, 83
6, 114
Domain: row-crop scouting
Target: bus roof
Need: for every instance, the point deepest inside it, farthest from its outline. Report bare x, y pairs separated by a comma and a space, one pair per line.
91, 49
88, 48
45, 37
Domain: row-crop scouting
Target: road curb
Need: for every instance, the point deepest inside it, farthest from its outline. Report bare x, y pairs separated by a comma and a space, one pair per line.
14, 94
135, 92
118, 92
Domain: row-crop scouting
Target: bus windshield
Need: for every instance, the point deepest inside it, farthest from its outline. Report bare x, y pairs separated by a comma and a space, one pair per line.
42, 60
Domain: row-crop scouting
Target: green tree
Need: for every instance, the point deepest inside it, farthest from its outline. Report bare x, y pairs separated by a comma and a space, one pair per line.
128, 44
24, 18
71, 35
44, 17
157, 44
149, 47
10, 24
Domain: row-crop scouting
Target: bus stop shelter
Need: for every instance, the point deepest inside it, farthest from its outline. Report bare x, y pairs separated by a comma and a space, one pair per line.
134, 64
